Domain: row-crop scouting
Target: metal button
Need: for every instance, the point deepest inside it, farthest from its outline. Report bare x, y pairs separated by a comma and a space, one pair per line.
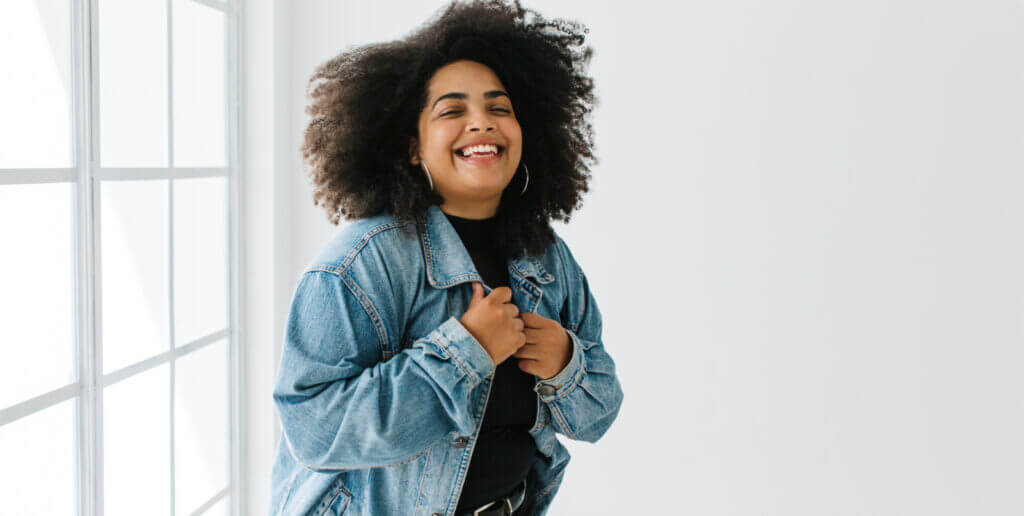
460, 442
546, 390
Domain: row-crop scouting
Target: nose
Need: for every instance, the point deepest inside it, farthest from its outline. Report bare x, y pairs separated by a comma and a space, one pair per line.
483, 121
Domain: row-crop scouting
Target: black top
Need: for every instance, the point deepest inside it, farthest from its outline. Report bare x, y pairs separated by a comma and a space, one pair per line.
504, 450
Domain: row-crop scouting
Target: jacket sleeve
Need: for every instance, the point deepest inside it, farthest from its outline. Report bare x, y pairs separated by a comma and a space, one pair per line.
585, 396
342, 408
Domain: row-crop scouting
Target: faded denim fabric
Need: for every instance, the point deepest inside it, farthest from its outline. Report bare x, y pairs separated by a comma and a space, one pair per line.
381, 390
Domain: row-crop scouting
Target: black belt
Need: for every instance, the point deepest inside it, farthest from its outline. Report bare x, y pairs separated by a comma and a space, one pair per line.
502, 506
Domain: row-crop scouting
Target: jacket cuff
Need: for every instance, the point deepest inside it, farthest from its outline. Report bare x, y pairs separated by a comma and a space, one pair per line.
468, 354
563, 383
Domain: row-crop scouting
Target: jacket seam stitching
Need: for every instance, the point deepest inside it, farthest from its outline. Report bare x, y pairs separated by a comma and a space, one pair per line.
570, 264
340, 489
557, 412
583, 301
343, 266
362, 466
421, 227
428, 256
368, 307
366, 240
288, 490
426, 469
460, 362
566, 391
551, 485
399, 463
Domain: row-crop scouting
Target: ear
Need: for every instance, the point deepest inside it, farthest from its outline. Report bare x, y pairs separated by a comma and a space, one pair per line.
414, 157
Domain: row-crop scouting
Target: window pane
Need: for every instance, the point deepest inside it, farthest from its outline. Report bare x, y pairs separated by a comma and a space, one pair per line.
136, 444
133, 83
37, 304
201, 426
199, 128
35, 93
200, 258
134, 256
37, 472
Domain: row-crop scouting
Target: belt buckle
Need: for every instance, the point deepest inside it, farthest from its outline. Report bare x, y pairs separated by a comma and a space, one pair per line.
507, 502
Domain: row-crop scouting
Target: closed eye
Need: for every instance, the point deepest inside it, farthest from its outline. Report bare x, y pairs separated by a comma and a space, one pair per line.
456, 111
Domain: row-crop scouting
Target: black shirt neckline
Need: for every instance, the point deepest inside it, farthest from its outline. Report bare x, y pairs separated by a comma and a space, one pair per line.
476, 234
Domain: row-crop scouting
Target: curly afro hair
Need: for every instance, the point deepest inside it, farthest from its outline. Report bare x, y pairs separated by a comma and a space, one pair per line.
365, 104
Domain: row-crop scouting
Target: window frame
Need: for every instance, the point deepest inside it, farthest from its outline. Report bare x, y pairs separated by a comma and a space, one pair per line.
86, 177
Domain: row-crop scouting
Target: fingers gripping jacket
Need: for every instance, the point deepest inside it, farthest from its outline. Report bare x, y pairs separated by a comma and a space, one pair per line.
341, 407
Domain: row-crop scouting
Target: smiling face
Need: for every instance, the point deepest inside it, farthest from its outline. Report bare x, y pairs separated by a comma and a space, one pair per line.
467, 109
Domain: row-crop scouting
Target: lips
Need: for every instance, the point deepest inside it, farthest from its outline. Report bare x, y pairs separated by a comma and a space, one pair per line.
460, 150
480, 160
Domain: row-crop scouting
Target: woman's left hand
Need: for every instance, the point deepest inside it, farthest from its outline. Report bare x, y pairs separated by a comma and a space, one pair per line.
547, 350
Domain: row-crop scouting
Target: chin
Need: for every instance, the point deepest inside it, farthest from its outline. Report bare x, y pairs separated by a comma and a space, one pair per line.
485, 191
487, 182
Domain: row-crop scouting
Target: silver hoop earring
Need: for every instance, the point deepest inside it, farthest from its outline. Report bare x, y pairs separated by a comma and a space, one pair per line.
527, 170
423, 165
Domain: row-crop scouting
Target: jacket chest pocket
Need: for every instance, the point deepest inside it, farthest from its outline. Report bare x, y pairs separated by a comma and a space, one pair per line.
525, 295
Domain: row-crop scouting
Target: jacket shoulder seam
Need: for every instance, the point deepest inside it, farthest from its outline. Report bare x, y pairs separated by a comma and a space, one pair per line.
341, 267
364, 301
371, 311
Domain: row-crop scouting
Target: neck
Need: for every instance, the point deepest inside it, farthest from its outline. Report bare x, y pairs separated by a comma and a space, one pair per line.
475, 211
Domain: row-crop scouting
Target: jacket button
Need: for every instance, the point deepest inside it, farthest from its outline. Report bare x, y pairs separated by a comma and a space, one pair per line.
460, 442
546, 390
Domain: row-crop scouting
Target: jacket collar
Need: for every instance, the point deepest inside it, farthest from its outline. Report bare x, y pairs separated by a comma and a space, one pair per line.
448, 262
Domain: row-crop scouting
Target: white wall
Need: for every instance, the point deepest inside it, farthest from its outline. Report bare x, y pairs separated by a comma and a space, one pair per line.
805, 238
267, 281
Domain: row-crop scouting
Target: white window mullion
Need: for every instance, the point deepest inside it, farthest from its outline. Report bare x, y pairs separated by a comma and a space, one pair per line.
209, 503
233, 63
170, 309
142, 366
38, 175
130, 174
82, 344
89, 348
170, 238
43, 401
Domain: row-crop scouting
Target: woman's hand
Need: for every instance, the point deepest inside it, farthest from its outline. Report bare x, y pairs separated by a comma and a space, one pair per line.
494, 321
547, 350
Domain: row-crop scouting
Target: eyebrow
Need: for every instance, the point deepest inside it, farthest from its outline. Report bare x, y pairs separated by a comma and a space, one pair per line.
456, 95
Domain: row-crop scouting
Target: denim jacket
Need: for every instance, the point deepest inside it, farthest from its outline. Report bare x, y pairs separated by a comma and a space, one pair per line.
381, 389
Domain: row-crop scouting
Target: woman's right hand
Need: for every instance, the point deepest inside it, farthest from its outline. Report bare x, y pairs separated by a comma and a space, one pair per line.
495, 323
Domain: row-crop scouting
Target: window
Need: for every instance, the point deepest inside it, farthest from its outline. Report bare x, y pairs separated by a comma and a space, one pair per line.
118, 271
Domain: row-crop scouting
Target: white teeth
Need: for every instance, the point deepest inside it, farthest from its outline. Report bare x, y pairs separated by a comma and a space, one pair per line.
480, 149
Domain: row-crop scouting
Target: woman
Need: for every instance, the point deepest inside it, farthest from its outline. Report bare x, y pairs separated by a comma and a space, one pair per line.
438, 342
